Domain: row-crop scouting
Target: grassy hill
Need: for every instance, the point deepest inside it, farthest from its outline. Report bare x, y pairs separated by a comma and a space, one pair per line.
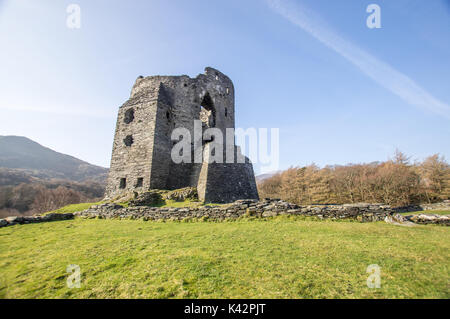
266, 258
30, 172
23, 155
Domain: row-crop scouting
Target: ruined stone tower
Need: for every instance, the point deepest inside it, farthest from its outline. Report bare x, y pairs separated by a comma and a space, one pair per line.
141, 158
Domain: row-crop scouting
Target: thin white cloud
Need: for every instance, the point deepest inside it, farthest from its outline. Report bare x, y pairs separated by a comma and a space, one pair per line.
381, 72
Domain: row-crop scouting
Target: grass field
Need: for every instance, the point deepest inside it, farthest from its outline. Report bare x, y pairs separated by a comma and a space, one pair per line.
73, 208
285, 257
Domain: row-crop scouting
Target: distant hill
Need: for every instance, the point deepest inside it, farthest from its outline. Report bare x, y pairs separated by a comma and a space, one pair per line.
260, 178
22, 157
35, 179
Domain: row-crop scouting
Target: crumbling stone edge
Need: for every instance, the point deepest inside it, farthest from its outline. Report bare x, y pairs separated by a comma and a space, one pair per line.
14, 220
262, 209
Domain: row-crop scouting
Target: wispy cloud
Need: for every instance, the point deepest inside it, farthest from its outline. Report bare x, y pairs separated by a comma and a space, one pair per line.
381, 72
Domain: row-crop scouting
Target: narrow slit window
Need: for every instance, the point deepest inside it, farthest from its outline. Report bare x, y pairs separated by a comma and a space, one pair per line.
123, 183
140, 182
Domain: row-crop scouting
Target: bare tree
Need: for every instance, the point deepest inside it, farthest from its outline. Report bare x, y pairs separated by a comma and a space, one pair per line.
396, 182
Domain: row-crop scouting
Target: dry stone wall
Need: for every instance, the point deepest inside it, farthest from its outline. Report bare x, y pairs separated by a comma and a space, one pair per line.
444, 205
15, 220
265, 208
240, 208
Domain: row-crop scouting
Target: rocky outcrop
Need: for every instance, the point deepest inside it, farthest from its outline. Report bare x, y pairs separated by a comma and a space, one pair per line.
429, 219
14, 220
399, 220
158, 197
183, 194
150, 198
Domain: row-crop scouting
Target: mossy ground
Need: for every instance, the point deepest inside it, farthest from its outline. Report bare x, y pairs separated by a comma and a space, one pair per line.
283, 257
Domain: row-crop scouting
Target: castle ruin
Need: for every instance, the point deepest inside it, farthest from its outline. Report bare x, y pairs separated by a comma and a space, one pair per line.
141, 158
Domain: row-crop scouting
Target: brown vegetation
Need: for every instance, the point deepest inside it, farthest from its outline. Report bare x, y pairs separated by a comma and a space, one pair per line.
396, 182
44, 196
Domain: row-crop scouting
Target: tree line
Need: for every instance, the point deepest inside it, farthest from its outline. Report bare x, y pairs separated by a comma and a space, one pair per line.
396, 182
45, 196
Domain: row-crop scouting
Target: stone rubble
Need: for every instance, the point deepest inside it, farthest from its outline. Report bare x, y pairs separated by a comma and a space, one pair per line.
399, 220
425, 219
14, 220
183, 194
147, 199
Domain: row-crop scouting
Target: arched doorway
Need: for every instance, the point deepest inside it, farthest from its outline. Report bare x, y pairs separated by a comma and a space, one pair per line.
207, 111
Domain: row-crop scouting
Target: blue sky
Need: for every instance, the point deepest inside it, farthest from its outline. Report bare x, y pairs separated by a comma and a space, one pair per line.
338, 91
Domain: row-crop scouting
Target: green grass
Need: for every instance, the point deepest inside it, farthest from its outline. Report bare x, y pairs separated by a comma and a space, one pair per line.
73, 208
284, 257
167, 203
186, 203
176, 204
435, 212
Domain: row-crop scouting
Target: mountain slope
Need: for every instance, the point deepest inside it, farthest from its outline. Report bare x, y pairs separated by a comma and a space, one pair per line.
21, 153
262, 177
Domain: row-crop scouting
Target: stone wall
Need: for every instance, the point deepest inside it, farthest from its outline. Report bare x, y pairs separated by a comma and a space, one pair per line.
240, 208
14, 220
265, 208
226, 182
444, 205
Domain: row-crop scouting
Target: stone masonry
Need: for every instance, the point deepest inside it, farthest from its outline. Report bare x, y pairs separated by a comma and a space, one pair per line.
141, 158
266, 208
361, 212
